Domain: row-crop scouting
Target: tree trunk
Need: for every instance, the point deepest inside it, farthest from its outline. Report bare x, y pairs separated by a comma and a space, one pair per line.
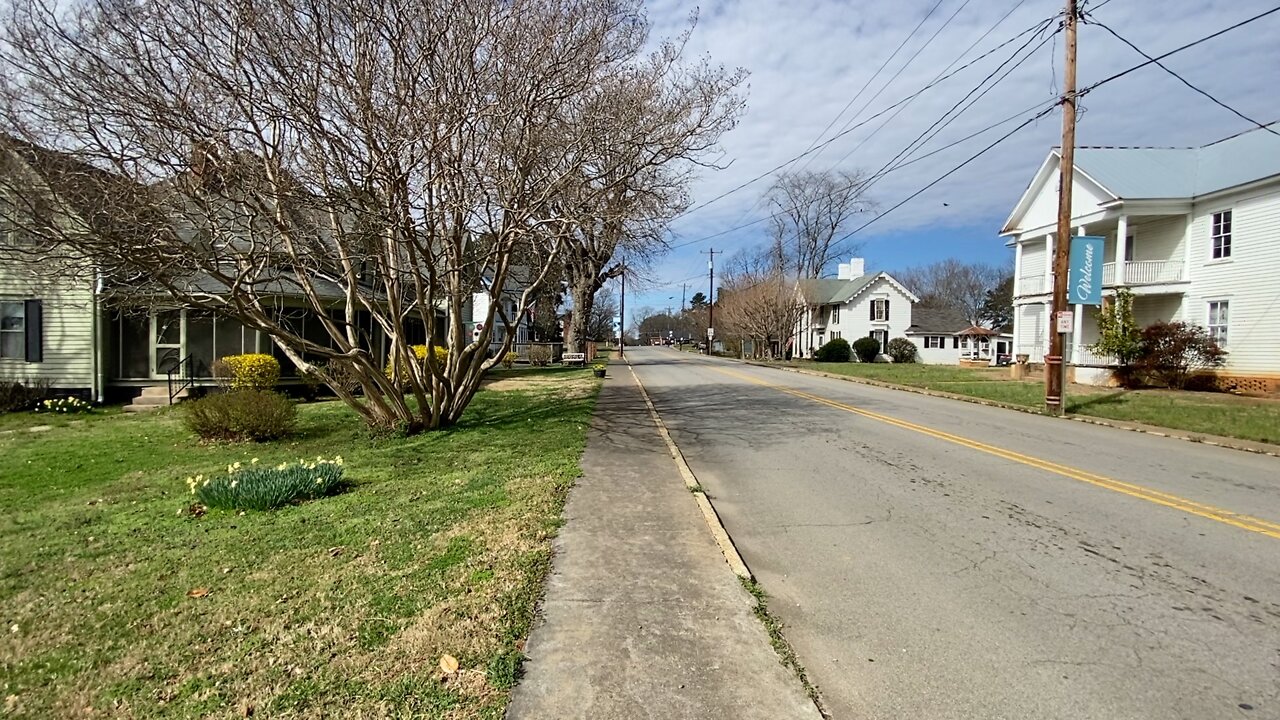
583, 291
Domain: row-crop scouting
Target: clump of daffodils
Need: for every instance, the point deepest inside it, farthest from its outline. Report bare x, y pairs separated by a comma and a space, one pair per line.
258, 486
64, 406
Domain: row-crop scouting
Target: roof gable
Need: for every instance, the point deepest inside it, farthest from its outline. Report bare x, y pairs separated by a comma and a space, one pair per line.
828, 291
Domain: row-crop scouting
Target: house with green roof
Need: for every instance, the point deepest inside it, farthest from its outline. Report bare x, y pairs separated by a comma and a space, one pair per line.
855, 304
1193, 233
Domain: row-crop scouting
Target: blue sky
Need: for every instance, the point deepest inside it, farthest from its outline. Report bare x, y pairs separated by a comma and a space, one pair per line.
808, 58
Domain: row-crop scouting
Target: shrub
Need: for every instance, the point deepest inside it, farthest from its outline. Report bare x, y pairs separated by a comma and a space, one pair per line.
16, 396
540, 355
1171, 352
866, 349
258, 487
339, 374
251, 371
242, 415
64, 406
509, 360
901, 350
420, 355
836, 350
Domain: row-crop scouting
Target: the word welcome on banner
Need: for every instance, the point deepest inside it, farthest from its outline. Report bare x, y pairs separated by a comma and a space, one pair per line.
1084, 281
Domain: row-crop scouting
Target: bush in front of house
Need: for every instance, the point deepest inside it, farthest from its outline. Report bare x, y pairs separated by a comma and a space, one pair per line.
259, 487
420, 356
251, 371
509, 360
1173, 352
17, 396
866, 349
540, 355
836, 350
901, 350
255, 415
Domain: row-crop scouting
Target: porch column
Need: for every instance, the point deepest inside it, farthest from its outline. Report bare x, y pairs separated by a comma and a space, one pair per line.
1048, 262
1186, 247
1122, 239
1017, 267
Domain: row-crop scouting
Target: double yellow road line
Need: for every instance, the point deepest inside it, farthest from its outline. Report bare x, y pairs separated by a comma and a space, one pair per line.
1244, 522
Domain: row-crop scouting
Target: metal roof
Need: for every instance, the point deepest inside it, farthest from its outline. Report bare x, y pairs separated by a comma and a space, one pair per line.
825, 291
1150, 173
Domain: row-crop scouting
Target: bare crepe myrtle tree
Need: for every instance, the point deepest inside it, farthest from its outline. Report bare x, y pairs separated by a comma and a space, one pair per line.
810, 210
387, 160
672, 117
760, 306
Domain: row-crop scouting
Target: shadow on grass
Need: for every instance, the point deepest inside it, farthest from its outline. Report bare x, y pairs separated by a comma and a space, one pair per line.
1115, 398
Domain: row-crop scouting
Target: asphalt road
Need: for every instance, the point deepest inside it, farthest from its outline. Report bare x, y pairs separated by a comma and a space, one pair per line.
939, 559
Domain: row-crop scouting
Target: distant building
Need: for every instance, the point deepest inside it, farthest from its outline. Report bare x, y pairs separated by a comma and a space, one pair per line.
851, 306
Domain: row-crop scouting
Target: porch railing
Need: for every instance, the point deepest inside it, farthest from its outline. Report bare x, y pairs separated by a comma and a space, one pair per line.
1145, 272
1083, 356
180, 376
1031, 285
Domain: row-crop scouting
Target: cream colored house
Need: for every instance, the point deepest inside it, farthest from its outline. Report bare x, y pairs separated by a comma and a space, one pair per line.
853, 305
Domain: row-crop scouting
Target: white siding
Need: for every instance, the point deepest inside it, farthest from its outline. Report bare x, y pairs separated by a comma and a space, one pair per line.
1034, 257
945, 355
1249, 280
1029, 331
1158, 239
67, 316
1043, 212
855, 317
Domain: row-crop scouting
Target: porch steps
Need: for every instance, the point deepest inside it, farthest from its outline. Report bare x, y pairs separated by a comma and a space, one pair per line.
153, 397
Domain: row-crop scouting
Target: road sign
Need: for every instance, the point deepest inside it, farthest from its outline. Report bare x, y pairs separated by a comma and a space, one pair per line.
711, 333
1066, 321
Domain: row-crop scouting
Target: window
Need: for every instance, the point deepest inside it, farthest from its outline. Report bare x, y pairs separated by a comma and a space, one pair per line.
1218, 321
879, 310
1128, 249
835, 334
13, 330
835, 314
1222, 235
935, 342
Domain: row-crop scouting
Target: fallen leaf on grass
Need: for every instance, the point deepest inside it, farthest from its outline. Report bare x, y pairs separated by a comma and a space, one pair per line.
448, 664
335, 551
197, 592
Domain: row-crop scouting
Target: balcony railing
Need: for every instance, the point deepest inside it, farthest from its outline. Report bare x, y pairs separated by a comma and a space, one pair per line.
1031, 285
1144, 272
1082, 355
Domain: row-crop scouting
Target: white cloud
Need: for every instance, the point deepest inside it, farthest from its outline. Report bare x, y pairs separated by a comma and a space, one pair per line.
808, 58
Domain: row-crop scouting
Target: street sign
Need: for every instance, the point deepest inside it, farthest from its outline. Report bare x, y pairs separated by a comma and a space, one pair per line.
1084, 281
711, 333
1066, 321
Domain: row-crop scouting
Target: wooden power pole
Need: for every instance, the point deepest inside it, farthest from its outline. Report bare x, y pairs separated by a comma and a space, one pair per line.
622, 314
1054, 389
711, 296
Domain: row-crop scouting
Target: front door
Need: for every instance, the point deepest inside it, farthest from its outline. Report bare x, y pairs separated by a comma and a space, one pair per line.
167, 342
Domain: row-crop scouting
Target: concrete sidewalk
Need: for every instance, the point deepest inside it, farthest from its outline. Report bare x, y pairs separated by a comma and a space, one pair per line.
642, 617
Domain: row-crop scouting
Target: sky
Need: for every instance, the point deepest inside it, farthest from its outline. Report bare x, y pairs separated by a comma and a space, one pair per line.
808, 59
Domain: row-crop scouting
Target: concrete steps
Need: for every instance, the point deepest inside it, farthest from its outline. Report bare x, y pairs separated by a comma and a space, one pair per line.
153, 397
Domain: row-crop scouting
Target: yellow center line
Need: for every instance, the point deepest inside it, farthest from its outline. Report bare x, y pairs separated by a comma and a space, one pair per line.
1244, 522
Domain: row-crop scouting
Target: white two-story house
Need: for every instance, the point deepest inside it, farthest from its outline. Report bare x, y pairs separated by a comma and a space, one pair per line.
1193, 233
852, 305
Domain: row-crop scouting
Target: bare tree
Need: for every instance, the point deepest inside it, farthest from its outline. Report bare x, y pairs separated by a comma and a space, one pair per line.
764, 308
387, 160
604, 311
810, 212
955, 285
672, 117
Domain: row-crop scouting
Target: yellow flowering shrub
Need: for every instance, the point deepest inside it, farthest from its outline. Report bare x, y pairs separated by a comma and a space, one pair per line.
252, 371
509, 360
420, 354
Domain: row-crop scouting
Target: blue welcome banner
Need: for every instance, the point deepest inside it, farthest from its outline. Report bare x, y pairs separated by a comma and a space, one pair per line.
1084, 282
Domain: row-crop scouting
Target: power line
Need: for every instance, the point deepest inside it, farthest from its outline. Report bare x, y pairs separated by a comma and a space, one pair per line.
937, 81
867, 84
1079, 93
1181, 79
946, 23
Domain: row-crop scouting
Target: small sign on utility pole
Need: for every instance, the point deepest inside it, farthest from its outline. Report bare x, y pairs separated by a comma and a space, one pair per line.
711, 333
1065, 321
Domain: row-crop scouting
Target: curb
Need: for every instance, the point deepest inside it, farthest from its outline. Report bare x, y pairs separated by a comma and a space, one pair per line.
731, 554
1216, 441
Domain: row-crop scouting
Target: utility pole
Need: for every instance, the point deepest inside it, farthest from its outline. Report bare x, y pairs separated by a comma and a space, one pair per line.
622, 314
684, 287
711, 295
1053, 361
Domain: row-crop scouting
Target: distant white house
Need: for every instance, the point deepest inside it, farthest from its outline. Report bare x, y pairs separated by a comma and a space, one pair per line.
852, 305
945, 337
1194, 233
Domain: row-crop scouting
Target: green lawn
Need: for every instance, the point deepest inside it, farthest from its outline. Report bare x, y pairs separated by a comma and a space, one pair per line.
1197, 412
340, 607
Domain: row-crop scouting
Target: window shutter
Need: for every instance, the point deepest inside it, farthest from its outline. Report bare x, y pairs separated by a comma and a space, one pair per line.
886, 309
873, 310
35, 331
